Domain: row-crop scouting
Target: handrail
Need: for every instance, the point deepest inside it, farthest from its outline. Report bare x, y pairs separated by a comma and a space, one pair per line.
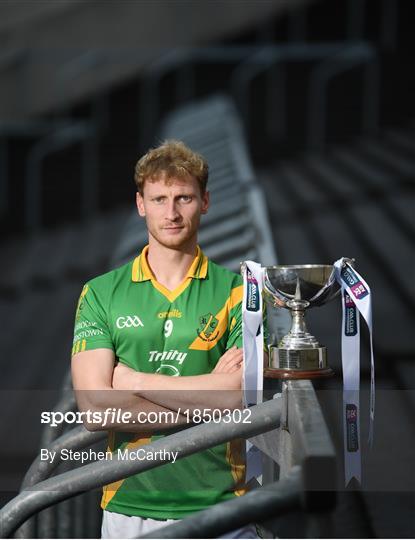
271, 56
264, 56
272, 500
4, 175
311, 485
322, 74
75, 439
301, 440
66, 403
40, 470
66, 136
186, 442
32, 128
27, 129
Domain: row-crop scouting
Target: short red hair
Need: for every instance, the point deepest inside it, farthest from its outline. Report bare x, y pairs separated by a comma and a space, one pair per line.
171, 159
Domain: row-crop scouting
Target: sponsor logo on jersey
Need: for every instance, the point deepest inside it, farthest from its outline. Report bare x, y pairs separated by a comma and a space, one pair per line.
157, 356
129, 321
167, 314
207, 327
88, 329
167, 369
85, 324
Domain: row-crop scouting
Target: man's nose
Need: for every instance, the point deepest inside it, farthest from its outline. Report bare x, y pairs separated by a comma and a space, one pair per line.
172, 213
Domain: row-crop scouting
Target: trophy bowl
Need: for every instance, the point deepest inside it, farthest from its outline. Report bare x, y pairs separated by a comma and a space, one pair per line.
297, 288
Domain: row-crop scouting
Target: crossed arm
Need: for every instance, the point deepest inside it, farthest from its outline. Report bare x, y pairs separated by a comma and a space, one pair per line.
99, 386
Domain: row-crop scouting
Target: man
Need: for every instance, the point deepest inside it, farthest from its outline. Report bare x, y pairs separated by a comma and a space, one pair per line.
166, 329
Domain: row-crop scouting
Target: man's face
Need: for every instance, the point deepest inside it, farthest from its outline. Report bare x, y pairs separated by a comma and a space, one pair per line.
173, 210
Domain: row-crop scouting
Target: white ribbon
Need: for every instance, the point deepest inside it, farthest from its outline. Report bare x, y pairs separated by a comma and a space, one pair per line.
252, 333
356, 298
253, 351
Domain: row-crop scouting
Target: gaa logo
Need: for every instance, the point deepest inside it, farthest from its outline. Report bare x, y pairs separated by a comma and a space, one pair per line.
128, 322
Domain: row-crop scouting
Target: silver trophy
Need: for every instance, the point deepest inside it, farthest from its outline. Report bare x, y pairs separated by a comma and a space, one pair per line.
297, 288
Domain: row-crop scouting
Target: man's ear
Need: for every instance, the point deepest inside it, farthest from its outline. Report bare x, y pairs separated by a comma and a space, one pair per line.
140, 204
205, 202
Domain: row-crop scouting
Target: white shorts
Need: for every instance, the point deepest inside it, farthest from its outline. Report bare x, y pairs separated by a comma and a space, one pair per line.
120, 526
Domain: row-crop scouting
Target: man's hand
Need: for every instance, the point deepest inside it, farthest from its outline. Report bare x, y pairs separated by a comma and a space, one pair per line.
229, 362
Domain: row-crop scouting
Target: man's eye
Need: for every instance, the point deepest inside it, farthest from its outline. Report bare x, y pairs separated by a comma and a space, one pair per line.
158, 200
185, 198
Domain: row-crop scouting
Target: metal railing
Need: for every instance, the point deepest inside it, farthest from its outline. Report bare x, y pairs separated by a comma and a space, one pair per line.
75, 132
252, 61
290, 428
303, 450
274, 500
186, 442
325, 72
51, 137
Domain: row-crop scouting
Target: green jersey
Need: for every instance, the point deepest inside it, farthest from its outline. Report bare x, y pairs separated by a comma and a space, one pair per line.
180, 332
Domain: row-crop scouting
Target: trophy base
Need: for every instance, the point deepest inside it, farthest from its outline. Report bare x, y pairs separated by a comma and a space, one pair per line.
308, 363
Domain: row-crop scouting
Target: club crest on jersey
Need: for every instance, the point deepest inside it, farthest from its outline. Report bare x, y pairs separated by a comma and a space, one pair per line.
207, 327
80, 305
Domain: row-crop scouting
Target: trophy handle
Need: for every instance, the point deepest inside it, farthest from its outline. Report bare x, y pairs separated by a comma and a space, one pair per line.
346, 262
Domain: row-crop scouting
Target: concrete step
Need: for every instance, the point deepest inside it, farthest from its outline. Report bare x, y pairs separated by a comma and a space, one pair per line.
402, 139
322, 232
65, 253
388, 157
225, 229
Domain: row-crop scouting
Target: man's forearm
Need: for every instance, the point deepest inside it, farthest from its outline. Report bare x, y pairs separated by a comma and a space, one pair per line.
211, 391
123, 410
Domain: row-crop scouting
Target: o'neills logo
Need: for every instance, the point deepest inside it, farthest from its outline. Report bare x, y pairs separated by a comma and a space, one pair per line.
252, 292
168, 314
350, 318
349, 276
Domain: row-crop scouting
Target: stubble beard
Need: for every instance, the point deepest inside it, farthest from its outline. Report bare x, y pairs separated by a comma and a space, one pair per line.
177, 242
